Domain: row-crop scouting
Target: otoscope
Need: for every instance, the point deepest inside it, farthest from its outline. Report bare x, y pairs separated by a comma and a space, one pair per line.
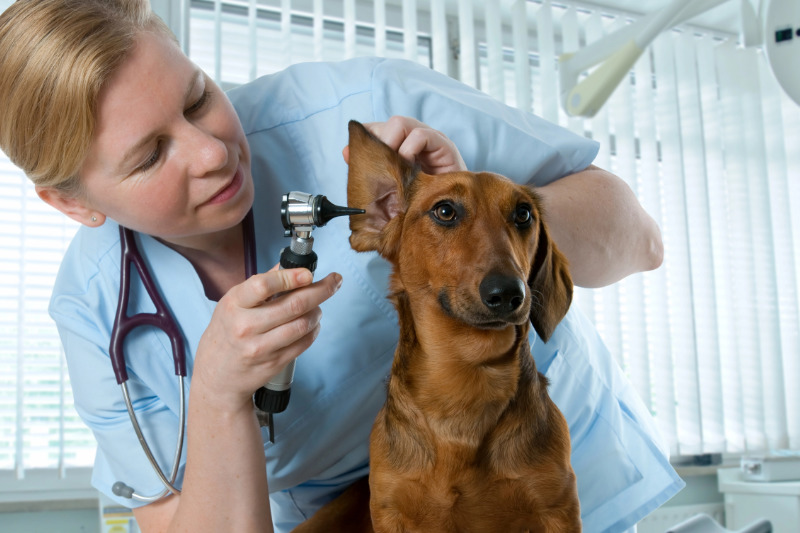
300, 213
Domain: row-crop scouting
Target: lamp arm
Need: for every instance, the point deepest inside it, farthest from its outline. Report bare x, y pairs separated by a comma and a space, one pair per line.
620, 51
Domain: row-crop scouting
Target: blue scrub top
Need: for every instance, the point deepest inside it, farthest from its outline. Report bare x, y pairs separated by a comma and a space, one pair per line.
296, 124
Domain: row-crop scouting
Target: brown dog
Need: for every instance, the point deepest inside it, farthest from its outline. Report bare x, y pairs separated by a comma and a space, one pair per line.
468, 439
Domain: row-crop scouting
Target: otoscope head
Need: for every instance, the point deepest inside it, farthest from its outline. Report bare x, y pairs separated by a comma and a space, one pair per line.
303, 209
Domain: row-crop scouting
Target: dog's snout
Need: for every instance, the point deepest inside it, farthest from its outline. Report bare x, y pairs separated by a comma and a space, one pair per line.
502, 294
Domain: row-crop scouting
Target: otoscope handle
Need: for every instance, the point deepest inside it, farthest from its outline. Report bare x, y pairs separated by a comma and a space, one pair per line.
290, 259
274, 396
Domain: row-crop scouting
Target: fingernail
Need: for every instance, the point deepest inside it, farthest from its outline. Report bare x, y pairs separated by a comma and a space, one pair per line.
337, 278
304, 277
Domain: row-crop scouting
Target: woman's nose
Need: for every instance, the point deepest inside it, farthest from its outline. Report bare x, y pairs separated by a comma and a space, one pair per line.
206, 152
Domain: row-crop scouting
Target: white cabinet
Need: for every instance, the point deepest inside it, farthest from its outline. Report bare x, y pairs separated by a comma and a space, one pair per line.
747, 501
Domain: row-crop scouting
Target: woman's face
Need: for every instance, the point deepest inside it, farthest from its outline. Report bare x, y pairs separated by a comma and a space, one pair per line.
169, 157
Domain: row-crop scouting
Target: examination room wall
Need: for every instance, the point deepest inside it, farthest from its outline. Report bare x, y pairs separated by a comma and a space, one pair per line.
700, 130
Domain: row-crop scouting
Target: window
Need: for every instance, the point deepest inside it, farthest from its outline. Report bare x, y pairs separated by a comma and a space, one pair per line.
37, 423
250, 40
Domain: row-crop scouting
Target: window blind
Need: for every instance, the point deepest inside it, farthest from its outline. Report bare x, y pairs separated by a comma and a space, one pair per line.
38, 424
252, 39
700, 131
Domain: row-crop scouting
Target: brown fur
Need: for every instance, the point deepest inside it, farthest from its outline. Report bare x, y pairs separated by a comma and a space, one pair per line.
468, 439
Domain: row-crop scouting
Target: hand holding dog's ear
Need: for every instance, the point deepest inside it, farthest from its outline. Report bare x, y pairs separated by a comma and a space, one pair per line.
417, 143
383, 159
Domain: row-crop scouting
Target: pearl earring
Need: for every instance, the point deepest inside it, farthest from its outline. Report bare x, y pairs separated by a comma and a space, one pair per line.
94, 218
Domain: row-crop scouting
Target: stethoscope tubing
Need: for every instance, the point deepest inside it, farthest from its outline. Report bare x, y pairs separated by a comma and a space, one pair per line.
123, 324
169, 484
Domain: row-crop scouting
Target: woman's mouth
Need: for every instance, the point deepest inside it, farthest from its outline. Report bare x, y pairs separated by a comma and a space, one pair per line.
230, 190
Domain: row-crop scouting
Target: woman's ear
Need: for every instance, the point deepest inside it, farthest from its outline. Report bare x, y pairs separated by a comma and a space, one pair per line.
72, 206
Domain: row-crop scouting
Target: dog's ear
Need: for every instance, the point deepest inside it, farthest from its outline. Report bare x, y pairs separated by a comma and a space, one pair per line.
377, 181
550, 283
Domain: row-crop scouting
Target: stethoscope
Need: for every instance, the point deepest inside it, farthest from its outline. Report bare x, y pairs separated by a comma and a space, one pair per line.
300, 213
163, 320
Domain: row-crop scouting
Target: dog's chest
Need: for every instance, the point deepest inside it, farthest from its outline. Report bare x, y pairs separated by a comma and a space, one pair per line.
465, 487
467, 502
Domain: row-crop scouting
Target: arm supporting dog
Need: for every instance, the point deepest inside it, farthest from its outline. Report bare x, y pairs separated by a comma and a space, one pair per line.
601, 227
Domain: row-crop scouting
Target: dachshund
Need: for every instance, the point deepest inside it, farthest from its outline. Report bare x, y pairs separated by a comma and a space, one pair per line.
468, 439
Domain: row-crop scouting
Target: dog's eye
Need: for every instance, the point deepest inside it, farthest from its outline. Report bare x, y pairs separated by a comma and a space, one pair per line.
445, 212
522, 216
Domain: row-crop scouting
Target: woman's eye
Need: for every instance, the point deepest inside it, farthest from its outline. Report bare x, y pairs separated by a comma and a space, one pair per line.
199, 104
152, 160
522, 216
444, 212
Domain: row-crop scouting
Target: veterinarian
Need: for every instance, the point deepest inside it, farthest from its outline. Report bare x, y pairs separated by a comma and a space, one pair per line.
114, 125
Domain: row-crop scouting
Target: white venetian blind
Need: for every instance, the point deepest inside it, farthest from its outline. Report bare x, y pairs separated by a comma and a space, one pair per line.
38, 426
703, 135
700, 131
246, 39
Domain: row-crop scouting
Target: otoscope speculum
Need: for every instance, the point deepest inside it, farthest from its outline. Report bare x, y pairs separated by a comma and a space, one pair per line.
301, 212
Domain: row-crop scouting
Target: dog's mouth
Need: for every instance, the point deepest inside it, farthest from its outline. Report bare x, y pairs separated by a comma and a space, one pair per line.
495, 324
475, 315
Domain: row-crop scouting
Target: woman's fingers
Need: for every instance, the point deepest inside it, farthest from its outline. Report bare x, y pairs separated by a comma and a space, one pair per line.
300, 336
261, 287
435, 152
417, 142
394, 131
279, 302
261, 325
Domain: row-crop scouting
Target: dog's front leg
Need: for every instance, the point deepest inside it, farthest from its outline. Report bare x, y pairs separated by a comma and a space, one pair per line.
389, 522
386, 517
390, 504
349, 512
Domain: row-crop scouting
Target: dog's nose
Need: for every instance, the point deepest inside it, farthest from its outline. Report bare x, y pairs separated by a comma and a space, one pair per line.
502, 294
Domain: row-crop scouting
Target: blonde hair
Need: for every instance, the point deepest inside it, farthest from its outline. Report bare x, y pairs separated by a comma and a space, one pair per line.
55, 58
